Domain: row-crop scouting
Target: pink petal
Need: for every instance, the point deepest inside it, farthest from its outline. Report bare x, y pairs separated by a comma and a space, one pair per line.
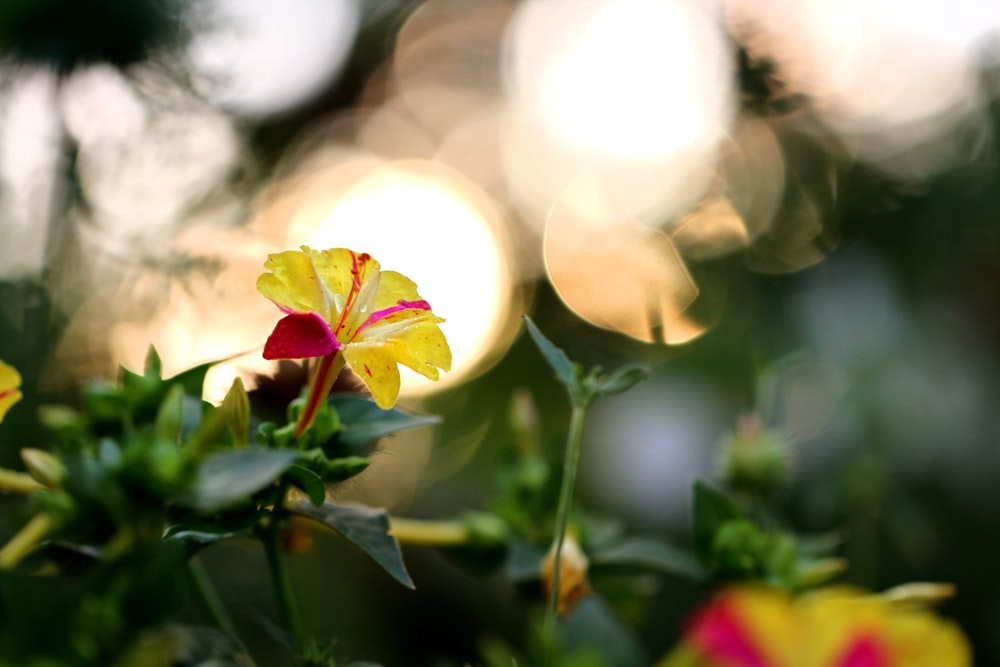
386, 312
866, 651
300, 335
719, 635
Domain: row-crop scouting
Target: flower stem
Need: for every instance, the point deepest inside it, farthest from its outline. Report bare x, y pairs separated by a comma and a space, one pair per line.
12, 481
26, 540
281, 581
209, 597
429, 533
571, 462
319, 388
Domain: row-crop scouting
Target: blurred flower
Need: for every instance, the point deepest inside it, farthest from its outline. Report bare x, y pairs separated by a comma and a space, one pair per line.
833, 627
341, 307
10, 381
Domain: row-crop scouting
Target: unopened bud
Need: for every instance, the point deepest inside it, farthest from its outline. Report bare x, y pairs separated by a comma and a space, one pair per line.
922, 593
43, 467
754, 459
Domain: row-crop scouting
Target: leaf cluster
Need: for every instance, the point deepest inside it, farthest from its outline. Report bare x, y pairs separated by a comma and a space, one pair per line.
144, 474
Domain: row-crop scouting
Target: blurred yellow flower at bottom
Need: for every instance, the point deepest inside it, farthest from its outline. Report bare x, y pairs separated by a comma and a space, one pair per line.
10, 382
752, 626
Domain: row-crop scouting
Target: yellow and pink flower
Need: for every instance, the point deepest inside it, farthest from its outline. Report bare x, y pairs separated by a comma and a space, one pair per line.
343, 309
10, 383
752, 626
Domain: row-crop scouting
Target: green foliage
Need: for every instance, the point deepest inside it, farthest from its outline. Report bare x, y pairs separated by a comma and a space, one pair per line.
143, 476
367, 528
583, 387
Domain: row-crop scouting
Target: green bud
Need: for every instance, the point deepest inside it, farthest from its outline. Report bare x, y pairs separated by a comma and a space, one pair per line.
485, 529
236, 408
44, 467
754, 460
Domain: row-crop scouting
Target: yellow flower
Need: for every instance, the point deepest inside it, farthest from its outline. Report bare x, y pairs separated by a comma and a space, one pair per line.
342, 307
751, 626
10, 381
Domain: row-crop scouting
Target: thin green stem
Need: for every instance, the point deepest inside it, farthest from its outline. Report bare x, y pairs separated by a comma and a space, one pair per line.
574, 441
209, 597
280, 579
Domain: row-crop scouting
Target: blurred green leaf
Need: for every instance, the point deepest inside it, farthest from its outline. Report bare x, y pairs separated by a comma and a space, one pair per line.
594, 627
227, 477
366, 527
193, 379
308, 482
622, 379
651, 553
170, 415
711, 508
362, 422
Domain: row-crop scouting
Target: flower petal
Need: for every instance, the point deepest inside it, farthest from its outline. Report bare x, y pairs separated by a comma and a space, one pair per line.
423, 348
375, 364
10, 381
300, 335
393, 288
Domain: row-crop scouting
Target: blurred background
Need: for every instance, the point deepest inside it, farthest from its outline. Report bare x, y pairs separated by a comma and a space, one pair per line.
787, 207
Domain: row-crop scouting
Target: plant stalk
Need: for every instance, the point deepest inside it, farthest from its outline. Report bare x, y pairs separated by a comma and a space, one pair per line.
571, 462
281, 581
209, 597
429, 533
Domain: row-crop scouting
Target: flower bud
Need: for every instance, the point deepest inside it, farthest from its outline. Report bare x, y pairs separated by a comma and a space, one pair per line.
573, 582
43, 467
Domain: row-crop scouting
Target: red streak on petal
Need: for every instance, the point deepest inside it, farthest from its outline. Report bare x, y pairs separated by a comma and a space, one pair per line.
386, 312
7, 392
352, 296
718, 634
300, 335
865, 651
368, 370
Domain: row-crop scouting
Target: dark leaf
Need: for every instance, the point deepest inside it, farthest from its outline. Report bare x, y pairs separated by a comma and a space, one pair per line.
712, 509
651, 554
308, 482
594, 625
362, 422
366, 527
228, 477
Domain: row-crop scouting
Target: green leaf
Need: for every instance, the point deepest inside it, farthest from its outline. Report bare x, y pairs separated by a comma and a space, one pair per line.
362, 422
595, 626
170, 415
193, 379
197, 531
366, 527
650, 553
228, 477
153, 366
622, 379
566, 371
308, 482
712, 509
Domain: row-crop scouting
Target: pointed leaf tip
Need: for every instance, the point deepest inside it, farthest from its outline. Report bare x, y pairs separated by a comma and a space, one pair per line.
566, 371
